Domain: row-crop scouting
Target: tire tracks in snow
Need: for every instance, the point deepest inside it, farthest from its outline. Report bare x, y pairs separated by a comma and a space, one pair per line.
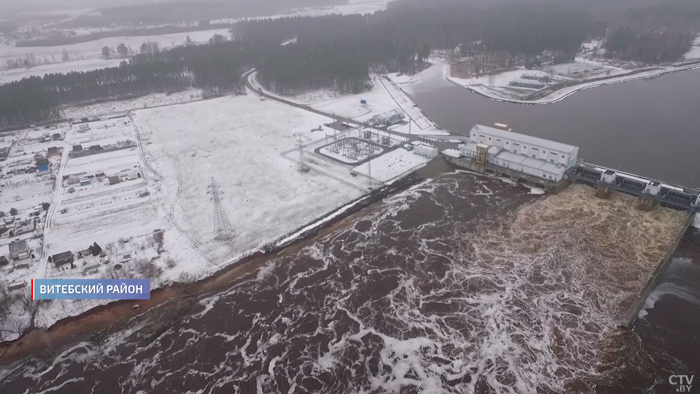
170, 212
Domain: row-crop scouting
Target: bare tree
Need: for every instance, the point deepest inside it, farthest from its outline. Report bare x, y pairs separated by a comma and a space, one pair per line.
148, 269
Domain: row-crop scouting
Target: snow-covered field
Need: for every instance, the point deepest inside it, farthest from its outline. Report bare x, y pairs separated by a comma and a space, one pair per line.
15, 74
352, 7
237, 142
93, 49
119, 107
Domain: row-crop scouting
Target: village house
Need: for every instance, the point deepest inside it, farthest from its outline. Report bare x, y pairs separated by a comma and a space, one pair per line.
24, 226
19, 250
62, 259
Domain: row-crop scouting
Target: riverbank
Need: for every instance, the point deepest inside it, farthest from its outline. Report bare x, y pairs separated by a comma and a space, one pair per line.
116, 315
556, 93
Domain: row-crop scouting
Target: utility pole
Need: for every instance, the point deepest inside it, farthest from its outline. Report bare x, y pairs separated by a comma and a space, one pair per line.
302, 165
369, 164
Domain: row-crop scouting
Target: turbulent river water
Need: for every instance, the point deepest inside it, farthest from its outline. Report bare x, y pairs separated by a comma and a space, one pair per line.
461, 284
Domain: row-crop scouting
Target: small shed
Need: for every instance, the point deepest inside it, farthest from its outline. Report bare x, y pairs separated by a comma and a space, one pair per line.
17, 285
90, 267
72, 180
4, 261
56, 136
77, 148
387, 118
53, 151
114, 179
43, 168
63, 258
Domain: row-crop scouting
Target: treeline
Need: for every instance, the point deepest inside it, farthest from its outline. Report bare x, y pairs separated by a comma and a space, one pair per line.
649, 46
216, 69
516, 28
670, 16
338, 52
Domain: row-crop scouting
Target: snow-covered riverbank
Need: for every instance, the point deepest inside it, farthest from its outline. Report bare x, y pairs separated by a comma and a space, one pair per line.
499, 89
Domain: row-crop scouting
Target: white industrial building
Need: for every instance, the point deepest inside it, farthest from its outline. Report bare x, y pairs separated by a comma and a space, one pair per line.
523, 153
425, 150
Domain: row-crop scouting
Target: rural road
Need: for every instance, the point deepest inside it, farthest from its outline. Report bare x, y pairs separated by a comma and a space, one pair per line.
438, 140
249, 85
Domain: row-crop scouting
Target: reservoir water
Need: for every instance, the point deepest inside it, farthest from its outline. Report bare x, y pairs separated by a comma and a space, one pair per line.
647, 127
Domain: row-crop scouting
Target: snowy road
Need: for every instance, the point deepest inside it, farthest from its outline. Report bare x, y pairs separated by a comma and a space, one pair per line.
441, 144
56, 198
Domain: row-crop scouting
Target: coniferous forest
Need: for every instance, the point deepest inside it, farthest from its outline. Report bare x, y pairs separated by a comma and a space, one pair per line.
333, 52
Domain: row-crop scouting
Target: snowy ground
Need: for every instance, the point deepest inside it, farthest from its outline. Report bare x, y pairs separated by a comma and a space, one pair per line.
119, 107
15, 74
392, 165
694, 52
237, 141
93, 49
384, 97
352, 7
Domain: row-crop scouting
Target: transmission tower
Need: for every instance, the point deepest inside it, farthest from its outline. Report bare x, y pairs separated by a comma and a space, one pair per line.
224, 230
302, 164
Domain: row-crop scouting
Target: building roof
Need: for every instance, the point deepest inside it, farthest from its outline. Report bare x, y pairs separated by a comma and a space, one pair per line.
533, 164
511, 157
18, 246
62, 256
553, 168
526, 139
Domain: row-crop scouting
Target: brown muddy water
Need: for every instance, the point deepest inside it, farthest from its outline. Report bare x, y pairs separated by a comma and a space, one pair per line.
461, 284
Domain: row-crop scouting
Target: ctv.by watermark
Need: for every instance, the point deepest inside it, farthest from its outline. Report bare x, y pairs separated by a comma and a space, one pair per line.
682, 383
